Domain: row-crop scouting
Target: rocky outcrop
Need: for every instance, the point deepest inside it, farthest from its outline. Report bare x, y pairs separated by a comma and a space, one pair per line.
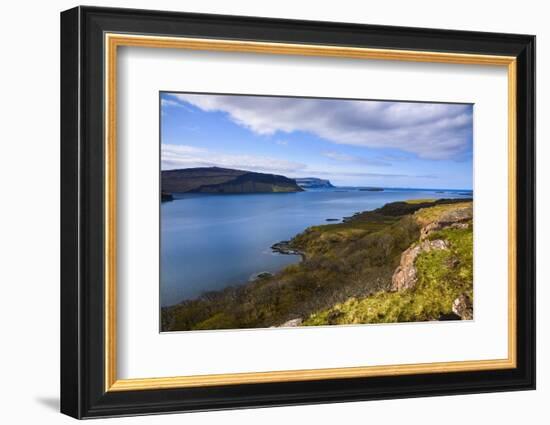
292, 323
455, 218
463, 307
286, 248
260, 275
404, 276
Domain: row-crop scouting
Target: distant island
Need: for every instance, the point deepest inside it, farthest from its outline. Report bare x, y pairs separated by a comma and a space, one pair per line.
313, 183
225, 180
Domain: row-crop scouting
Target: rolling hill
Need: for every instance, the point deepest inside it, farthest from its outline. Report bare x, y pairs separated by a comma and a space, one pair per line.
225, 180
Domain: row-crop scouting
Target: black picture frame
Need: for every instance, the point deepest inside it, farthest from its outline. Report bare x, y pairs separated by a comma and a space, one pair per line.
83, 392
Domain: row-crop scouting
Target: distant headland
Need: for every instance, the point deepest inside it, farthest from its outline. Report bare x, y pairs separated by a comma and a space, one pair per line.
313, 183
225, 180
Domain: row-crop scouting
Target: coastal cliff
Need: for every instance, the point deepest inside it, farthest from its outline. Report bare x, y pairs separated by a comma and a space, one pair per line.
225, 180
405, 261
433, 280
313, 183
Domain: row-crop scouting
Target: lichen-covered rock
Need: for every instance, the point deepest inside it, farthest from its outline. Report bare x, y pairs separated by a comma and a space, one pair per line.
292, 323
463, 307
404, 276
457, 218
435, 244
459, 225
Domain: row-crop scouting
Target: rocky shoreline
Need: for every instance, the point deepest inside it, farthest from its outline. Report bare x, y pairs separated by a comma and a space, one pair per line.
372, 267
166, 197
285, 248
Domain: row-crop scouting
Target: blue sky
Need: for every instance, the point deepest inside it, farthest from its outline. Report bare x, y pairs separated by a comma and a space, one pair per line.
349, 142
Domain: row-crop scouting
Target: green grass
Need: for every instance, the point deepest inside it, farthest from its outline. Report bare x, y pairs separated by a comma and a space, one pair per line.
442, 276
427, 215
419, 201
319, 240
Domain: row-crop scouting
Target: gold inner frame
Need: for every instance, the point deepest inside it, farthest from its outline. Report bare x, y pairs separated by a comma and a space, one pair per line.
113, 41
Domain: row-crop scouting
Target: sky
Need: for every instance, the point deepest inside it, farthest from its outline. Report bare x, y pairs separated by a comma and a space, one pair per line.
349, 142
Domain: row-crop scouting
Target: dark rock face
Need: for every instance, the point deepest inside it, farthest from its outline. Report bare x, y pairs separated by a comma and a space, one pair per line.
284, 247
166, 197
449, 316
252, 183
260, 275
224, 180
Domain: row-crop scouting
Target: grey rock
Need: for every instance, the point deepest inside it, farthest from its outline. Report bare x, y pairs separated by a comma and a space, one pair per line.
457, 218
463, 307
292, 323
404, 276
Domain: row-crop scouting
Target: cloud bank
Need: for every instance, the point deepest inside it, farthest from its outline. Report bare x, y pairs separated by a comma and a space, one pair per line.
353, 159
183, 156
429, 130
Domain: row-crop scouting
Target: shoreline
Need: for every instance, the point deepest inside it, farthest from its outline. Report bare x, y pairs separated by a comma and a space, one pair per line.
390, 264
285, 247
462, 192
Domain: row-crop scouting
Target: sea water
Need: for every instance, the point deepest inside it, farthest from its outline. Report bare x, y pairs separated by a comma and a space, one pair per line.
211, 241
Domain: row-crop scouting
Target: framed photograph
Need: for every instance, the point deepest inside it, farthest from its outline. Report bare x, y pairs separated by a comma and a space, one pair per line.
261, 212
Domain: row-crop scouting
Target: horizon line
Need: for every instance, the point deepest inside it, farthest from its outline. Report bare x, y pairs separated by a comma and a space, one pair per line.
309, 177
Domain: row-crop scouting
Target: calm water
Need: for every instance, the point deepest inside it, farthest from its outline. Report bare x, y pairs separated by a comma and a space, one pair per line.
209, 242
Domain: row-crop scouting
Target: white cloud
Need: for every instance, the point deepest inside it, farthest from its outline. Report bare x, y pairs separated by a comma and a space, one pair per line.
371, 175
183, 156
342, 157
339, 156
430, 130
164, 102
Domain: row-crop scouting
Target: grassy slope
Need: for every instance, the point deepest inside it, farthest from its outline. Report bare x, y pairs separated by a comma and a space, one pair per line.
346, 264
442, 276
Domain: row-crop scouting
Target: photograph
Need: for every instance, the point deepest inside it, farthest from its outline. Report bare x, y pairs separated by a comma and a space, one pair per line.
285, 210
281, 212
